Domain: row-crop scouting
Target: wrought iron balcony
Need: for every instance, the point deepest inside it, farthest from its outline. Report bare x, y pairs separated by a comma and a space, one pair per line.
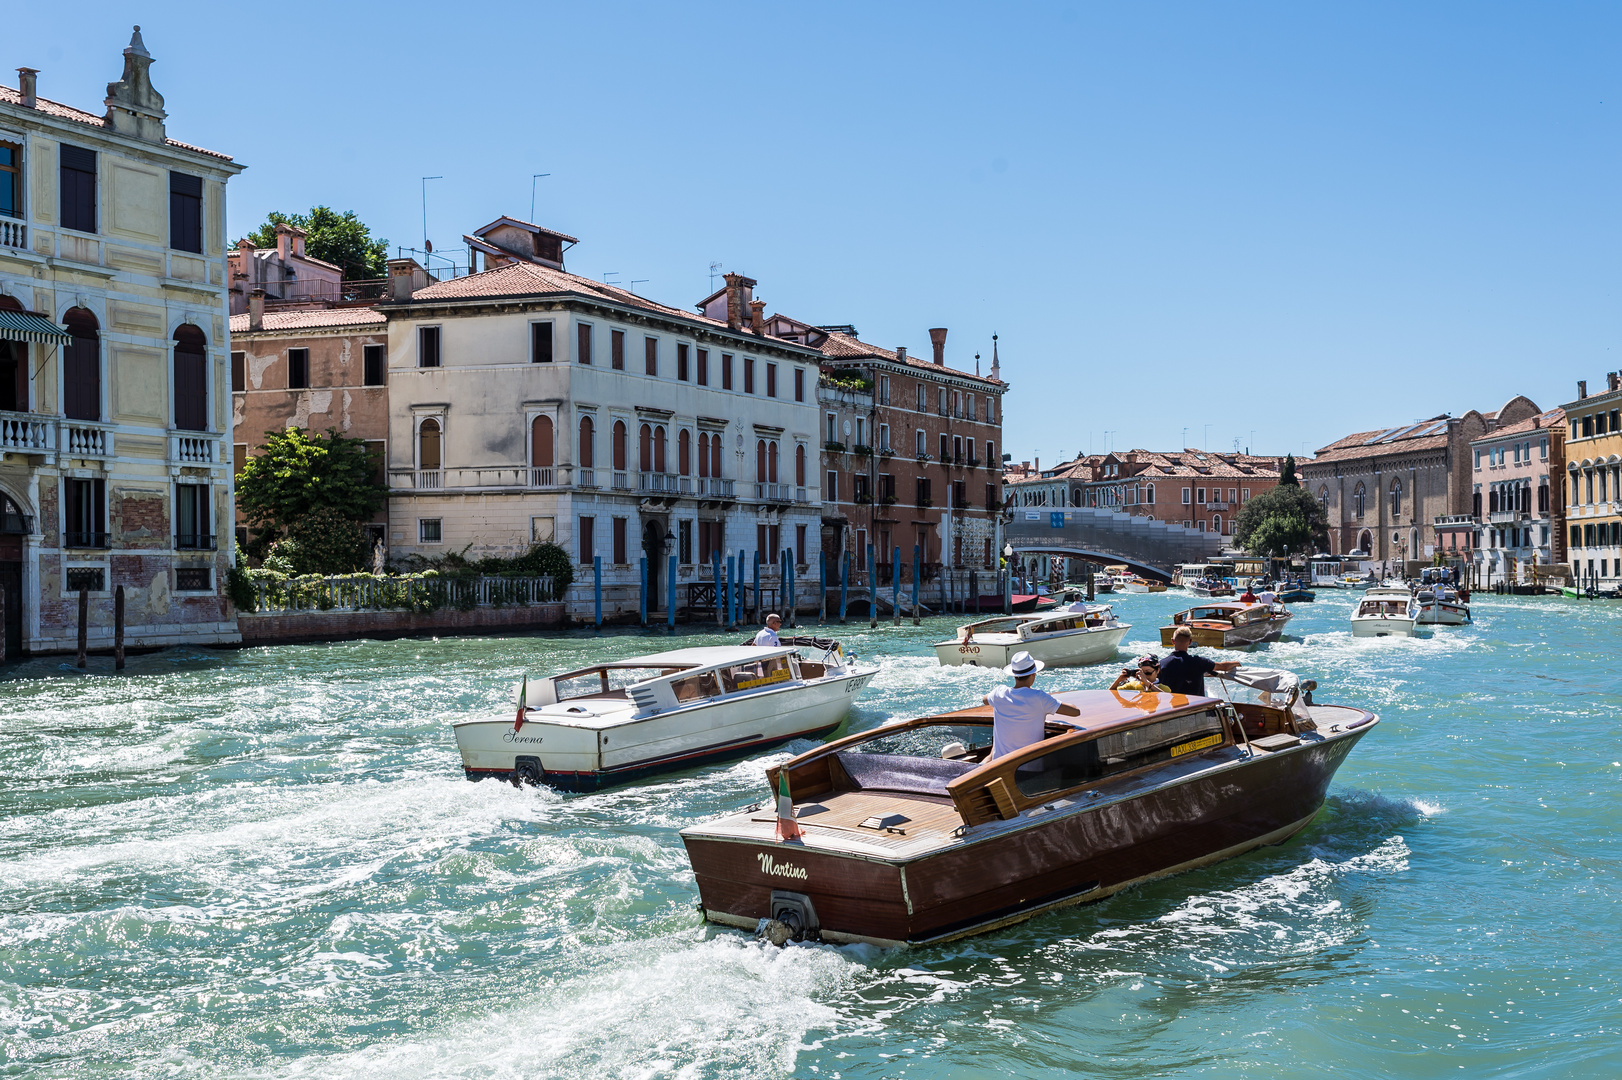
76, 539
196, 542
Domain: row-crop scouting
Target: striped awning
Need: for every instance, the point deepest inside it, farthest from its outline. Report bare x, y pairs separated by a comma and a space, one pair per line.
21, 326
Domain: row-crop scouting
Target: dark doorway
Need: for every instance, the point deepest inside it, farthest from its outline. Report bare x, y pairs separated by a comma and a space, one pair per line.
11, 589
653, 546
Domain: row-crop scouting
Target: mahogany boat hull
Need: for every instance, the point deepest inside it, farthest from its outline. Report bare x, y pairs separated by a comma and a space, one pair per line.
1014, 870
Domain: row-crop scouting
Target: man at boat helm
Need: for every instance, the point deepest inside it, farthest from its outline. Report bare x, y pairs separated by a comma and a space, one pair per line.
1019, 713
1182, 673
767, 638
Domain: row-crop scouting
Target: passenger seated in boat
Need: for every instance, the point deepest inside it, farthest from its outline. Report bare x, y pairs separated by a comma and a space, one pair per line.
1146, 677
1247, 597
1019, 713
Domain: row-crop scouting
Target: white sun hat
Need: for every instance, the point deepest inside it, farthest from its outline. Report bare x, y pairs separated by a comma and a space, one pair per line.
1024, 664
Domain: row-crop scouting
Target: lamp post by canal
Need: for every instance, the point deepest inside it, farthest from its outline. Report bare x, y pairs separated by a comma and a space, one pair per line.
1008, 579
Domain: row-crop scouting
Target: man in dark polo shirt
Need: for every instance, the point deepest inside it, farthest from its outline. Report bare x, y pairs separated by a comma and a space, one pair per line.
1182, 673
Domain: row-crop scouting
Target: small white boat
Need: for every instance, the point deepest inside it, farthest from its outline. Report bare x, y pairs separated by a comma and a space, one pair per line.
1385, 612
1080, 634
609, 723
1441, 606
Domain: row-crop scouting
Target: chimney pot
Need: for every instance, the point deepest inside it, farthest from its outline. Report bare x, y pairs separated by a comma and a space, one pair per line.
1582, 389
28, 83
256, 310
757, 316
937, 339
901, 353
284, 242
1613, 380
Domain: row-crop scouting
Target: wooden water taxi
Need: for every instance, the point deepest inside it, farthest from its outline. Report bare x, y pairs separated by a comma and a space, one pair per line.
1081, 633
1385, 611
908, 835
609, 723
1229, 624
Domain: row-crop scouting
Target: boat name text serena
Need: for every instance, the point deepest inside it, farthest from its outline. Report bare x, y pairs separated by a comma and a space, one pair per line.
514, 737
769, 865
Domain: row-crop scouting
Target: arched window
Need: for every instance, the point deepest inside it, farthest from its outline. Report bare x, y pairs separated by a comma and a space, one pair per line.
1396, 499
1149, 492
1358, 498
1216, 523
715, 456
540, 442
659, 459
704, 453
428, 459
799, 464
191, 379
771, 459
644, 448
13, 365
81, 366
684, 452
1323, 500
617, 449
760, 461
588, 443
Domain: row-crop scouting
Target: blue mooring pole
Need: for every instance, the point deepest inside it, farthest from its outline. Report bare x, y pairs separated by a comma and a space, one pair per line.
872, 590
822, 604
730, 559
597, 586
642, 593
844, 581
757, 586
915, 567
895, 583
715, 562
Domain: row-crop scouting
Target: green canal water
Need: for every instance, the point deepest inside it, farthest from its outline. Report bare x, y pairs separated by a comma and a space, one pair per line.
266, 863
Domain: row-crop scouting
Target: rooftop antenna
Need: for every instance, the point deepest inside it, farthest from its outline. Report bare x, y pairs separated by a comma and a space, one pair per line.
605, 277
532, 178
425, 180
1184, 444
715, 268
635, 282
977, 363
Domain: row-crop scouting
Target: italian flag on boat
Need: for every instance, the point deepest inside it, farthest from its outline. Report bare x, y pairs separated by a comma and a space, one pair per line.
787, 829
523, 698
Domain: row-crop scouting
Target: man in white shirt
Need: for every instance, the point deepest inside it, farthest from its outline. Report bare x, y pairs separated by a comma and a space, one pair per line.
767, 638
1019, 713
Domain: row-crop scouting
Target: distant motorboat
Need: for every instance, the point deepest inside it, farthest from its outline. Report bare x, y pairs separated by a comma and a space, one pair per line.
1386, 611
1080, 634
1229, 625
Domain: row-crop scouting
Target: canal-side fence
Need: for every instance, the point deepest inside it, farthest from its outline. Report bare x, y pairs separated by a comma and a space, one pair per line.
413, 592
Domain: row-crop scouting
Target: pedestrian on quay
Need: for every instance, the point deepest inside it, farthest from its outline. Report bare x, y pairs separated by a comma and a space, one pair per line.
1184, 673
767, 638
1019, 713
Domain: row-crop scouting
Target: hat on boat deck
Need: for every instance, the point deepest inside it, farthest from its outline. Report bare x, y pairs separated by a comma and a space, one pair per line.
1024, 664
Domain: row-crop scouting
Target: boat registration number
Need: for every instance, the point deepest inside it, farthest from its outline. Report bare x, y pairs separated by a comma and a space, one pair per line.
1198, 744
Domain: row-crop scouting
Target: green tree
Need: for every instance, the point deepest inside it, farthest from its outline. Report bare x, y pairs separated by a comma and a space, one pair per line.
315, 489
1286, 475
1279, 522
342, 239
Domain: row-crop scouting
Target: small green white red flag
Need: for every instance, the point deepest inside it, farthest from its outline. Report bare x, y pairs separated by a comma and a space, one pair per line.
523, 699
787, 827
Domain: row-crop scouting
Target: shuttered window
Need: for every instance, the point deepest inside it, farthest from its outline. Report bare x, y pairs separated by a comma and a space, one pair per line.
78, 188
191, 379
186, 212
82, 366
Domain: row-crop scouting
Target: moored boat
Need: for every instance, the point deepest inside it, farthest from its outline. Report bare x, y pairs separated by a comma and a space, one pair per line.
608, 723
1229, 624
907, 834
1441, 606
1295, 592
1385, 611
1081, 634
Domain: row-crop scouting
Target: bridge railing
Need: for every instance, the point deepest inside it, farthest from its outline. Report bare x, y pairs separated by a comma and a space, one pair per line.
1158, 545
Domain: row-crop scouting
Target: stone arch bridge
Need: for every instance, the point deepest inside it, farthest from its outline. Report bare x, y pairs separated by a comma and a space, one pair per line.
1151, 548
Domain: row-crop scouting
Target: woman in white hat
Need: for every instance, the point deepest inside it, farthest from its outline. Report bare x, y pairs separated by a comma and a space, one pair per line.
1019, 712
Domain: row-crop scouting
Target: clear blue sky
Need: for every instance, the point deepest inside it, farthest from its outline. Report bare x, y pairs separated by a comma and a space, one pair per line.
1297, 220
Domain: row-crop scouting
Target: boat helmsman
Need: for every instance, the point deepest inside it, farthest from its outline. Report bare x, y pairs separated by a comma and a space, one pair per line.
767, 638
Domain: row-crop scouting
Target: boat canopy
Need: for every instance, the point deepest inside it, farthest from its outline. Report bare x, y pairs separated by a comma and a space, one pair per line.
1272, 686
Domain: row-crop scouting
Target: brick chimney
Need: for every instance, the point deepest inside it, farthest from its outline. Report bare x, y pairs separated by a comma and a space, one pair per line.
901, 353
740, 290
256, 310
937, 341
1582, 389
27, 82
757, 316
284, 241
405, 278
1613, 381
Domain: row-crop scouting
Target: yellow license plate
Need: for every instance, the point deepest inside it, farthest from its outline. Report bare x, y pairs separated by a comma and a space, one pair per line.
1198, 744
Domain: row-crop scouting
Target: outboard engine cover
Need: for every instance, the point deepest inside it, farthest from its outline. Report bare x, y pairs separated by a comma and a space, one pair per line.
795, 911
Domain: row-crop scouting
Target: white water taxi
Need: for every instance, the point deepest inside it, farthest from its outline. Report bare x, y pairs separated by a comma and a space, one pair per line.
1385, 612
1079, 634
623, 720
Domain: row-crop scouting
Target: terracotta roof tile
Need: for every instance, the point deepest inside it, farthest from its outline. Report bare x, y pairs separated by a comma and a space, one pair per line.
311, 319
12, 96
844, 347
1541, 422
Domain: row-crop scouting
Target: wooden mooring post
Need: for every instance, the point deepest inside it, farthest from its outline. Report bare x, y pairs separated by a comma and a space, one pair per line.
118, 629
84, 624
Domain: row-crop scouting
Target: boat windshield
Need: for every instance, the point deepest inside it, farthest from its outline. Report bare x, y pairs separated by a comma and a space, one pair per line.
756, 675
931, 741
1088, 760
1211, 614
609, 681
1383, 607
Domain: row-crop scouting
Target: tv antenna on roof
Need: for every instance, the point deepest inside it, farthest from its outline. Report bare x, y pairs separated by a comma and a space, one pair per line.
605, 277
715, 267
532, 178
635, 282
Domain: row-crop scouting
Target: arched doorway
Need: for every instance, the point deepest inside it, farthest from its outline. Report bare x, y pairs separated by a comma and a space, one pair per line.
653, 546
1365, 543
13, 527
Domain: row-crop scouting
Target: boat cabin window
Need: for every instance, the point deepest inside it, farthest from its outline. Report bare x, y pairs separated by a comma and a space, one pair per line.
916, 761
1383, 607
1121, 751
697, 687
758, 674
606, 681
928, 742
1209, 614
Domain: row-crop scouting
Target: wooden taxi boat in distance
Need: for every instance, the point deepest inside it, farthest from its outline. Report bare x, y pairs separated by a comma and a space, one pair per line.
1080, 633
619, 721
1385, 611
1229, 624
908, 835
